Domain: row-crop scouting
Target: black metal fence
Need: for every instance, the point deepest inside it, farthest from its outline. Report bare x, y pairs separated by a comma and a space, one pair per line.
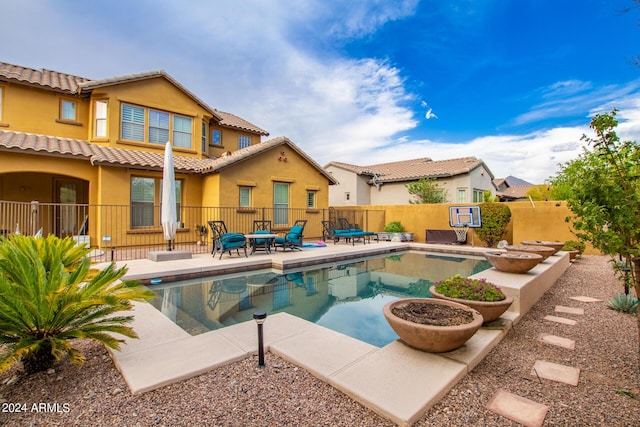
121, 232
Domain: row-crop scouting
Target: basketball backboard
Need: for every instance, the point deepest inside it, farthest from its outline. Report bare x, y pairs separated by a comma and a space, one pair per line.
465, 216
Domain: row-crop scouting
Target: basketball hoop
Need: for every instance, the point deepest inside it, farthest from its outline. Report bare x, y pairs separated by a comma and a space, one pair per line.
461, 234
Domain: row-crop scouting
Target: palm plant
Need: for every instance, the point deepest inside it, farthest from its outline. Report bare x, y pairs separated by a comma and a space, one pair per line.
46, 302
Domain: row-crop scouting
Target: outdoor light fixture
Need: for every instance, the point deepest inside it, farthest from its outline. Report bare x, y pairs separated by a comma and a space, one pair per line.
260, 317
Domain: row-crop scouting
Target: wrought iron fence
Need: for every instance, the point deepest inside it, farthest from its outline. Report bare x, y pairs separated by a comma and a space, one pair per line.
118, 232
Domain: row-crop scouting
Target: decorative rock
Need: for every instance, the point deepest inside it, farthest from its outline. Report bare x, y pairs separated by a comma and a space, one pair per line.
512, 261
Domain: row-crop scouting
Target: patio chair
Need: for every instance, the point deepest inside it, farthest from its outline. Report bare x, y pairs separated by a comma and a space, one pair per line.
293, 239
328, 230
222, 241
351, 233
262, 226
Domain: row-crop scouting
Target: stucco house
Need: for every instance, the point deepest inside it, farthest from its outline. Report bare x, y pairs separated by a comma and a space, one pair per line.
463, 179
70, 139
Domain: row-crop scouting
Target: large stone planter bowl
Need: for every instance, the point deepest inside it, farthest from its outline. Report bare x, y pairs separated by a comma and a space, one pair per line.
555, 245
543, 251
512, 261
490, 310
434, 339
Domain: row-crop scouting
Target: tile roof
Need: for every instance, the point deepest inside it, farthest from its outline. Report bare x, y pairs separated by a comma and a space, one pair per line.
98, 155
52, 80
67, 83
75, 148
409, 170
245, 153
515, 192
233, 121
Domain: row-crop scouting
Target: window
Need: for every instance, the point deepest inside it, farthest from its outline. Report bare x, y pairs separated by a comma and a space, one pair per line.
158, 127
216, 137
462, 195
281, 203
245, 197
132, 123
204, 137
311, 199
67, 110
100, 126
142, 198
478, 195
146, 194
243, 141
181, 131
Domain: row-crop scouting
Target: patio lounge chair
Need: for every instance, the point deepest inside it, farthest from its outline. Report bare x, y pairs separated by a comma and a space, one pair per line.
293, 239
222, 241
350, 234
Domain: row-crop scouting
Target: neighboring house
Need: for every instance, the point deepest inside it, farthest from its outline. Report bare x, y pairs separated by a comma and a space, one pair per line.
511, 189
465, 180
68, 139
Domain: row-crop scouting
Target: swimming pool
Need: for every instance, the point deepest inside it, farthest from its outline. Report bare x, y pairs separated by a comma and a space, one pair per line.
347, 297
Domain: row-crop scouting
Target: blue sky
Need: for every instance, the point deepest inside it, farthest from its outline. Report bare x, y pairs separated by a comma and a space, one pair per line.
514, 83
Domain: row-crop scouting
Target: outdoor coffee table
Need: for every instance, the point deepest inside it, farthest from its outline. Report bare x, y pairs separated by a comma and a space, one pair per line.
266, 244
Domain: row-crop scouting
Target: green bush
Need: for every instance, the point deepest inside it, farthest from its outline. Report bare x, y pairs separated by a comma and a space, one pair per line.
624, 303
394, 227
46, 302
495, 218
574, 245
469, 289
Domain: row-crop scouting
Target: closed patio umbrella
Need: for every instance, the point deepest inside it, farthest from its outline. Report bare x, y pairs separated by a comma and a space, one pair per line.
168, 215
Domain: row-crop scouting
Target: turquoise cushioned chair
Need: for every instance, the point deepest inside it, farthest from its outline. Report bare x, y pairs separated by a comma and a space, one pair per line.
293, 239
223, 241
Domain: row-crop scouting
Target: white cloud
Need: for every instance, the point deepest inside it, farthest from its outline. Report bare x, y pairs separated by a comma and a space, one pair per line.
278, 65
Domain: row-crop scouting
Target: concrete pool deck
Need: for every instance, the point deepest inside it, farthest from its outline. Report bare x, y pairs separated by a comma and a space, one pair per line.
165, 353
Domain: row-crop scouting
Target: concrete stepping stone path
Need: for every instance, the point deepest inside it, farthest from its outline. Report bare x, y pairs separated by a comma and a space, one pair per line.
582, 298
557, 341
555, 372
517, 408
562, 320
569, 310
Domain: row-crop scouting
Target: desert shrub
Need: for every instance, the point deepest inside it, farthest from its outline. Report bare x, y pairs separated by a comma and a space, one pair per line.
495, 218
46, 302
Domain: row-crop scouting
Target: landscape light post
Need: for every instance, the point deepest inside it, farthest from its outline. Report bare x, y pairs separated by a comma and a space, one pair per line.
260, 317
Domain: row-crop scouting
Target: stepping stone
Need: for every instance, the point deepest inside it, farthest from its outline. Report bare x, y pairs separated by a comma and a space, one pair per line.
569, 310
585, 299
517, 408
556, 340
555, 372
563, 320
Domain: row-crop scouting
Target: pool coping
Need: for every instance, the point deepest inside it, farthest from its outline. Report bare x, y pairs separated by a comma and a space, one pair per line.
165, 354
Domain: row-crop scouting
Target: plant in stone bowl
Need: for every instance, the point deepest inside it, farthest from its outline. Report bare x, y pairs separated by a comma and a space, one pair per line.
479, 294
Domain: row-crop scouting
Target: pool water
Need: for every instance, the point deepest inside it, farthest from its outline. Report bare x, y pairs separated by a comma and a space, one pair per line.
347, 297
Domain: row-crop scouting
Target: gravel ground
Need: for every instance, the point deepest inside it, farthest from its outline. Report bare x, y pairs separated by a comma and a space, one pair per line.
241, 394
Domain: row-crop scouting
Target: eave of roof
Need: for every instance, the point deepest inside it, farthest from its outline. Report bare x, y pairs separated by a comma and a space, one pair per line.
248, 152
128, 78
52, 146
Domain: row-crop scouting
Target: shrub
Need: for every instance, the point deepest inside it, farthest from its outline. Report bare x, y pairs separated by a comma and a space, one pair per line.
394, 227
495, 218
624, 303
469, 289
46, 302
574, 245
